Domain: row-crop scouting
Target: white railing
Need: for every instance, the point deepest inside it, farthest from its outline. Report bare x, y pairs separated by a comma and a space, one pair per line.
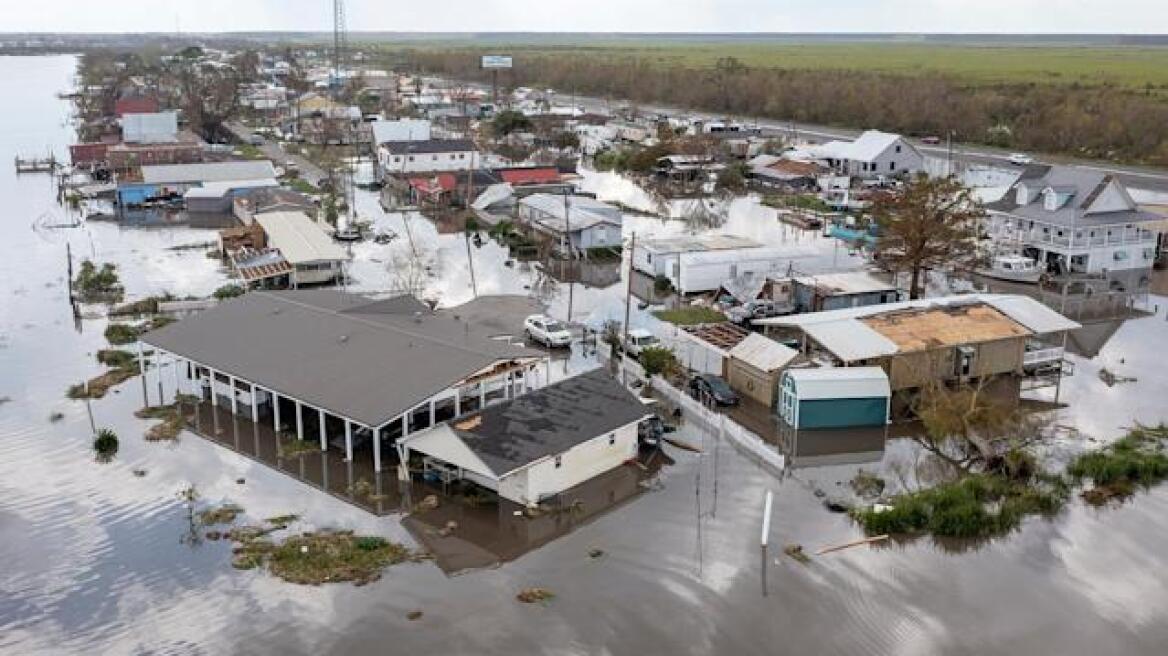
1041, 356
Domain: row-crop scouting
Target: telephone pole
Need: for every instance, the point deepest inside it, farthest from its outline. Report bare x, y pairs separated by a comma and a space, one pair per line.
628, 310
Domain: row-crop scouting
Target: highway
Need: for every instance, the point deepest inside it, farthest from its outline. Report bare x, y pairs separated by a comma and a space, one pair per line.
1135, 177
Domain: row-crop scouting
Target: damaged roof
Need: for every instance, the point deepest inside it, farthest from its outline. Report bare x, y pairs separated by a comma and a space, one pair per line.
549, 421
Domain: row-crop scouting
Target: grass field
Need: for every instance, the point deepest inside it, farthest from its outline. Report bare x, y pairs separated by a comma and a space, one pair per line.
1128, 66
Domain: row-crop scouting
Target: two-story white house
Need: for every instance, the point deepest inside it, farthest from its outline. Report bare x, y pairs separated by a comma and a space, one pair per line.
1076, 221
427, 156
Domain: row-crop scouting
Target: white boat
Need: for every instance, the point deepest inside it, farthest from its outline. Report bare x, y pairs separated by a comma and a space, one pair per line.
1016, 268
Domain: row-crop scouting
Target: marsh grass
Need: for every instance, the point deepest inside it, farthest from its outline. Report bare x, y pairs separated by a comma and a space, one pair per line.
171, 424
1138, 460
120, 334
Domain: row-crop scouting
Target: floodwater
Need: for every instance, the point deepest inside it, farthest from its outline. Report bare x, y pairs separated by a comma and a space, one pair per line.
100, 560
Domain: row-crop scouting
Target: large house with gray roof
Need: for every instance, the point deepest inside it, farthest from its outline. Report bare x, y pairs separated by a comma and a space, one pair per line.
341, 368
1076, 221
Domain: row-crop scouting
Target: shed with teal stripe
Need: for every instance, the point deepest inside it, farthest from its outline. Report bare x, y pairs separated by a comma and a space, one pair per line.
843, 397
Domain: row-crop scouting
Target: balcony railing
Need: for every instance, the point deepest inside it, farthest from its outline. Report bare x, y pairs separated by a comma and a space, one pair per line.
1043, 356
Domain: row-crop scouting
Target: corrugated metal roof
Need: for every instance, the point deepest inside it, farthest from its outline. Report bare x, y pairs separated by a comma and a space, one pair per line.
221, 189
763, 353
208, 172
839, 383
850, 340
299, 238
1030, 313
855, 282
159, 127
698, 243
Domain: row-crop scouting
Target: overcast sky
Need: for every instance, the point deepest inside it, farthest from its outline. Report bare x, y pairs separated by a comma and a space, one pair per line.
1045, 16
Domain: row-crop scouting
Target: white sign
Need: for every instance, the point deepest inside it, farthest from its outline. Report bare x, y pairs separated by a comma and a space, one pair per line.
496, 61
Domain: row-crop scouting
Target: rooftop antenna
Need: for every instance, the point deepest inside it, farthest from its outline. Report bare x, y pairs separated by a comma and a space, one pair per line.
340, 44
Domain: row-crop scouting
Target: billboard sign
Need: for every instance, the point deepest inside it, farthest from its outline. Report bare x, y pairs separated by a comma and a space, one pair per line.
496, 61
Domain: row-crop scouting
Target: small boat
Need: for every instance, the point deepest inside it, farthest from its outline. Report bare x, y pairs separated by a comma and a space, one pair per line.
1015, 268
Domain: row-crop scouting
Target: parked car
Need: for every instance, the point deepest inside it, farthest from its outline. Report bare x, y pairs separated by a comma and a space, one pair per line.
1021, 159
709, 386
759, 309
256, 140
931, 140
546, 331
639, 340
650, 431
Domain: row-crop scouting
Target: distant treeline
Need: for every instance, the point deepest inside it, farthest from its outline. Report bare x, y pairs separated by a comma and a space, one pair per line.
1093, 121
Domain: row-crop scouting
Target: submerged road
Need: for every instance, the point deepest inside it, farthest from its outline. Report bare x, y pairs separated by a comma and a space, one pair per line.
308, 171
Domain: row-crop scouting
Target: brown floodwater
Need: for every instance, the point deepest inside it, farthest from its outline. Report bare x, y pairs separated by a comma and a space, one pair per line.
99, 559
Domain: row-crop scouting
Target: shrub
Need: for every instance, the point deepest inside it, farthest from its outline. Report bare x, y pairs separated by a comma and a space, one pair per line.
657, 361
120, 334
228, 291
106, 443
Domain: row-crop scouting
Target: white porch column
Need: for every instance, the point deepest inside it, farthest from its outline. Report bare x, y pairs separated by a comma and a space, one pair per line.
323, 436
255, 406
276, 412
299, 422
457, 403
482, 394
405, 423
348, 440
431, 412
377, 451
234, 396
507, 389
214, 396
177, 385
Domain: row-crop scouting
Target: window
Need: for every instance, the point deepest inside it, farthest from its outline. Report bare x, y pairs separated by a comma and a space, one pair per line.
892, 166
898, 148
558, 462
411, 158
611, 439
462, 156
397, 159
433, 158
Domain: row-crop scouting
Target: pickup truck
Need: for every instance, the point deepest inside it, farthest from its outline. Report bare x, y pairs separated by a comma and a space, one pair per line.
747, 312
639, 340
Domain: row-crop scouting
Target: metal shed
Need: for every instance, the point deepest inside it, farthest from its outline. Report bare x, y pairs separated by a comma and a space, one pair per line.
845, 397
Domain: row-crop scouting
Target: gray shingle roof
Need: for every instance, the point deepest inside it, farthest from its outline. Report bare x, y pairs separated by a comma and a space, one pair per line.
1084, 185
362, 359
431, 146
551, 420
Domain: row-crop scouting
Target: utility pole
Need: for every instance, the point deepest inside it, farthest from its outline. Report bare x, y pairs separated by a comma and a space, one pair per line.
566, 242
949, 154
628, 309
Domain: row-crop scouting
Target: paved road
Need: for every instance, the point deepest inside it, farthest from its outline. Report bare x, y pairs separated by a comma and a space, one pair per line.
1136, 177
310, 172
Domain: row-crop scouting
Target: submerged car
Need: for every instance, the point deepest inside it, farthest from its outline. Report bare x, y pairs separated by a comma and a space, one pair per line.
1021, 159
709, 386
547, 331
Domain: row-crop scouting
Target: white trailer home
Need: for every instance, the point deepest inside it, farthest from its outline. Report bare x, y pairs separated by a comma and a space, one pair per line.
534, 447
701, 264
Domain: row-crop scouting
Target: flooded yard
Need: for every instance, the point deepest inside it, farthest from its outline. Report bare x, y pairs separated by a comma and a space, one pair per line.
100, 558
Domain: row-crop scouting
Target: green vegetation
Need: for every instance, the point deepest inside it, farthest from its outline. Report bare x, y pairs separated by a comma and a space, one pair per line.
977, 505
604, 253
658, 361
171, 421
323, 557
867, 485
224, 514
105, 445
1137, 460
98, 285
117, 358
535, 595
120, 334
1089, 101
248, 151
301, 185
690, 315
281, 521
995, 502
662, 285
508, 121
229, 291
294, 448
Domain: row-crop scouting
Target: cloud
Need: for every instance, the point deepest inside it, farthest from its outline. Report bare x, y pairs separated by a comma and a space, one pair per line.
1072, 16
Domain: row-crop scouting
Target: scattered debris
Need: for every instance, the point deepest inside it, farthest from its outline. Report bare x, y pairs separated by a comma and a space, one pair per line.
451, 526
867, 484
848, 545
56, 416
1111, 378
282, 521
430, 502
224, 514
837, 505
682, 445
595, 553
240, 481
140, 473
535, 595
414, 615
796, 551
171, 425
